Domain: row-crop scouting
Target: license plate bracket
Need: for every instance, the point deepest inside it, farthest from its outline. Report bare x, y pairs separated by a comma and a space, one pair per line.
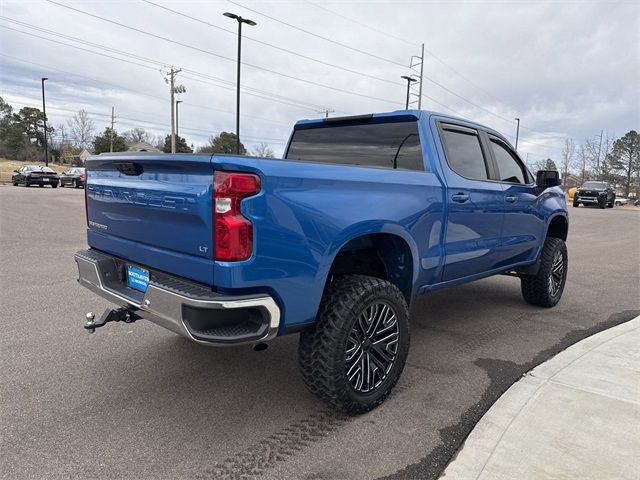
137, 278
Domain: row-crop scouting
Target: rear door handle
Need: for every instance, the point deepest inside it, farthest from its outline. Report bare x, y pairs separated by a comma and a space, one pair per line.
510, 199
460, 197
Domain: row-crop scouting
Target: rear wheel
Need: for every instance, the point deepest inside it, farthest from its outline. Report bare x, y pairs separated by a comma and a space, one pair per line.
546, 287
355, 353
54, 185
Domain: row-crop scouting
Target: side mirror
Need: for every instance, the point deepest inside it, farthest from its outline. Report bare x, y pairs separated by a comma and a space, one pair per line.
547, 178
16, 171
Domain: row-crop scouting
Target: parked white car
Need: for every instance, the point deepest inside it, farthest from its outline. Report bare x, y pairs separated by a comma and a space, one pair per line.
621, 201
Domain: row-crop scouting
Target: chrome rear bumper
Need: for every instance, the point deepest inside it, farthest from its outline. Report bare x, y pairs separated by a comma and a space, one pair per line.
189, 309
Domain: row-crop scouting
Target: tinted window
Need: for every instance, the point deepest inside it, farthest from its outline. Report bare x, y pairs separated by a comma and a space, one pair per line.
385, 145
509, 167
47, 170
464, 153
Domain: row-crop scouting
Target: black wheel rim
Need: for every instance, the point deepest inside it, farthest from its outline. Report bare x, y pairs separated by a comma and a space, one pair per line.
372, 347
557, 274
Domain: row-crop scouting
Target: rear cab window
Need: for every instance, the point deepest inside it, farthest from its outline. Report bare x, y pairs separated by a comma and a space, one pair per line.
391, 145
463, 151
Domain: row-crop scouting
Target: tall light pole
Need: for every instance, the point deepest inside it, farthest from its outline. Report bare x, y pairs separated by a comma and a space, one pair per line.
409, 81
177, 102
517, 132
240, 22
44, 113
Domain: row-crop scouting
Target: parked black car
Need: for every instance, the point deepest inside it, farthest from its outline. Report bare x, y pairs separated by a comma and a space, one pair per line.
73, 177
595, 193
35, 175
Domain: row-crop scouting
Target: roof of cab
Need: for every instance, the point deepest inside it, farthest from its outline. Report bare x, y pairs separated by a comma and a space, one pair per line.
396, 115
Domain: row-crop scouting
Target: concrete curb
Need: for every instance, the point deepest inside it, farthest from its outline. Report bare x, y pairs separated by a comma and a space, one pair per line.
575, 416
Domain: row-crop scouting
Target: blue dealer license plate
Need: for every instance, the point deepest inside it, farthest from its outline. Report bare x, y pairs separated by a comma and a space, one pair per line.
137, 278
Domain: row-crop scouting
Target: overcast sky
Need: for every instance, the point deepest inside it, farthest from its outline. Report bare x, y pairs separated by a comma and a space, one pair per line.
567, 69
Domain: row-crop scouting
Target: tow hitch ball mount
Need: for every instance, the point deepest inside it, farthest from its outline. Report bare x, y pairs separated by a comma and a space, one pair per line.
121, 314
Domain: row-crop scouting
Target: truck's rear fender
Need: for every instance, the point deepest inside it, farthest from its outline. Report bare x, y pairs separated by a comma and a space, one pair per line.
306, 213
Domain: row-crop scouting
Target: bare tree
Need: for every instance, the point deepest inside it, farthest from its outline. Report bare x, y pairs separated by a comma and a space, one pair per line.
568, 152
262, 150
138, 135
82, 128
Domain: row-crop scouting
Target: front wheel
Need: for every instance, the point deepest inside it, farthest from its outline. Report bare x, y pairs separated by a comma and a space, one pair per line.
546, 287
355, 353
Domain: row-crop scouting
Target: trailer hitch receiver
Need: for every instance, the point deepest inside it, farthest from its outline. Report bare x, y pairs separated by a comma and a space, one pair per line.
121, 314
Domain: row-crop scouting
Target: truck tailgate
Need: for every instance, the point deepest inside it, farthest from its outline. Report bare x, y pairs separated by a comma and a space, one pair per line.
160, 204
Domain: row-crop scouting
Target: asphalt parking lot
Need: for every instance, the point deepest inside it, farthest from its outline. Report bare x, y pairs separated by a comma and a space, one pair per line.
137, 402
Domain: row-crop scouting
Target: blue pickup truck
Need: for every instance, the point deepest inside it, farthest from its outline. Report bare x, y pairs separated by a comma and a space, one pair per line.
333, 241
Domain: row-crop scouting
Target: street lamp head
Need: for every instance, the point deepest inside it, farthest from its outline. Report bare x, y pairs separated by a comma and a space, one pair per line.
178, 101
239, 18
44, 78
409, 79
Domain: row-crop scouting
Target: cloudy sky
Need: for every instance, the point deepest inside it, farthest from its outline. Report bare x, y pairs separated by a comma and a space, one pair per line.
566, 68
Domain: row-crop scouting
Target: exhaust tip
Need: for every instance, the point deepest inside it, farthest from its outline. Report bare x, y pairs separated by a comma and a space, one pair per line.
260, 347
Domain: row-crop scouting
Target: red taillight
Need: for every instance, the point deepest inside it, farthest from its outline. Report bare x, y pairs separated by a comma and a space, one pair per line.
232, 233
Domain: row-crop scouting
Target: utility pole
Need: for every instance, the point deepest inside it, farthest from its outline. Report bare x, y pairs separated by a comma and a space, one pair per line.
409, 81
111, 133
177, 102
240, 22
517, 132
44, 114
173, 90
326, 112
598, 159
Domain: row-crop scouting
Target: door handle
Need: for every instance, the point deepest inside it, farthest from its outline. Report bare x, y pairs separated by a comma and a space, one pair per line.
460, 197
510, 199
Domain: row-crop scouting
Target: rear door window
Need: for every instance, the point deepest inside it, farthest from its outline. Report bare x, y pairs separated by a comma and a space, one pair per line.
464, 152
382, 145
509, 167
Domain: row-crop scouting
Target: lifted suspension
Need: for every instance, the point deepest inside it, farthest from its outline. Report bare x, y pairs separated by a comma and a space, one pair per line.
121, 314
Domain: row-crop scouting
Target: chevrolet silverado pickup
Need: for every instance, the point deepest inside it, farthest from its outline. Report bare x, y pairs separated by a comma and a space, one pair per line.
333, 241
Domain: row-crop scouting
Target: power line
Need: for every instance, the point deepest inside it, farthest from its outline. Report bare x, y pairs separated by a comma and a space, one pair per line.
440, 85
138, 92
357, 22
296, 103
282, 49
208, 52
335, 42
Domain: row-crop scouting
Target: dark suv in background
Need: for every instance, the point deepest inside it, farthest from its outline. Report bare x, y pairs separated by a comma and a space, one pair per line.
595, 193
